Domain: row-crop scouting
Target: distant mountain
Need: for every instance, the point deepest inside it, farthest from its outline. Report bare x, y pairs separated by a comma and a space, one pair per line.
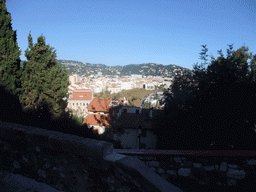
145, 69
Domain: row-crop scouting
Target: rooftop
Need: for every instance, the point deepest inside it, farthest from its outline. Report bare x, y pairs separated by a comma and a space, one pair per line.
99, 105
81, 94
96, 119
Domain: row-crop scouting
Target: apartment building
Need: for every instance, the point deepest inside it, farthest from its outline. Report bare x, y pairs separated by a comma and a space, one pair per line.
126, 85
79, 101
100, 113
73, 79
131, 122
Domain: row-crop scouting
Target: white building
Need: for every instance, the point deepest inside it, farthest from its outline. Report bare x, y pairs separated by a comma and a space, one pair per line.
126, 85
149, 86
79, 101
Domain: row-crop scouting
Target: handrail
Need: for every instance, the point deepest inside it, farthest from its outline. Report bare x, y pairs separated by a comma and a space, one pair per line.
215, 153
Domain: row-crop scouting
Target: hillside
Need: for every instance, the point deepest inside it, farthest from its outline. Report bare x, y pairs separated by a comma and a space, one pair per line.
145, 69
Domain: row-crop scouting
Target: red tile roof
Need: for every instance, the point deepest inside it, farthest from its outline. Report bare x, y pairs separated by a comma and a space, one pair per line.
92, 119
81, 94
99, 105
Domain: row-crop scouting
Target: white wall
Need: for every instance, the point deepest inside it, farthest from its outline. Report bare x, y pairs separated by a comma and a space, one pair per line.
131, 140
126, 85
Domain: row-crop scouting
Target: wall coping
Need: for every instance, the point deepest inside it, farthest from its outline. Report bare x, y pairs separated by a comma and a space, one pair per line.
216, 153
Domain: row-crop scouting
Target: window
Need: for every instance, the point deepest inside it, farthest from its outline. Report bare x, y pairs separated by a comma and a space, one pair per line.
73, 104
80, 104
83, 104
76, 103
87, 104
144, 133
143, 146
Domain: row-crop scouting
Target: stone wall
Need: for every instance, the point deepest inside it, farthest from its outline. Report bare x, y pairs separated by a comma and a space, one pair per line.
71, 163
234, 171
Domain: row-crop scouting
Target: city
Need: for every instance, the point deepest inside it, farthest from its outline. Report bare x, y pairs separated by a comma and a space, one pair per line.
126, 116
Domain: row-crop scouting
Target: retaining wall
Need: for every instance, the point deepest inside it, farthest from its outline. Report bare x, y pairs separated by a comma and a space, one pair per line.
71, 163
213, 168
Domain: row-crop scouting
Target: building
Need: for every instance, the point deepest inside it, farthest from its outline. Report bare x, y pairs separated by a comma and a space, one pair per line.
98, 122
126, 85
136, 76
79, 101
114, 88
73, 79
139, 84
100, 113
99, 106
126, 127
149, 86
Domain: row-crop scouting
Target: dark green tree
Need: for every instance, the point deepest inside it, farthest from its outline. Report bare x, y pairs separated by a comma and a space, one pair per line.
214, 107
44, 81
225, 99
9, 52
181, 90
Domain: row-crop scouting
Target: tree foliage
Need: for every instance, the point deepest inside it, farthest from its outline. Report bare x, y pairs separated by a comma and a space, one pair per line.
9, 52
213, 107
43, 80
44, 84
146, 105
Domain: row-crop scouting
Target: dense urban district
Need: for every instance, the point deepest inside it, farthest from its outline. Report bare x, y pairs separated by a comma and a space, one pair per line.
97, 82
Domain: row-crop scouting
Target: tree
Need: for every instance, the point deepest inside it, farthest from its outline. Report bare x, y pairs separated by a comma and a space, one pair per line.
214, 107
9, 52
117, 95
44, 81
181, 89
146, 105
225, 99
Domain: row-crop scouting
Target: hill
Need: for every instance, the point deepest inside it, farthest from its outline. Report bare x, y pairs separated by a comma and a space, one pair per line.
145, 69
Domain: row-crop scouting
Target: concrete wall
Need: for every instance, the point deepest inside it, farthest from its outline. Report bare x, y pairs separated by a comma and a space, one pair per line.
129, 139
71, 163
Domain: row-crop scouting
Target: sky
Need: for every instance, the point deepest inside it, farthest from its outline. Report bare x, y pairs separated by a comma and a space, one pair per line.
121, 32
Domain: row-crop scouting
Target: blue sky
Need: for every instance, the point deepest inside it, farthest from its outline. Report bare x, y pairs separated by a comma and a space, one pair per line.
121, 32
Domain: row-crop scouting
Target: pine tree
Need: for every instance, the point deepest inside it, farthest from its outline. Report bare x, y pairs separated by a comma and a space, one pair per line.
44, 82
9, 52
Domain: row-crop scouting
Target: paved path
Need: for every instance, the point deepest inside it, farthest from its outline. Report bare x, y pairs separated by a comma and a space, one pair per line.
10, 182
